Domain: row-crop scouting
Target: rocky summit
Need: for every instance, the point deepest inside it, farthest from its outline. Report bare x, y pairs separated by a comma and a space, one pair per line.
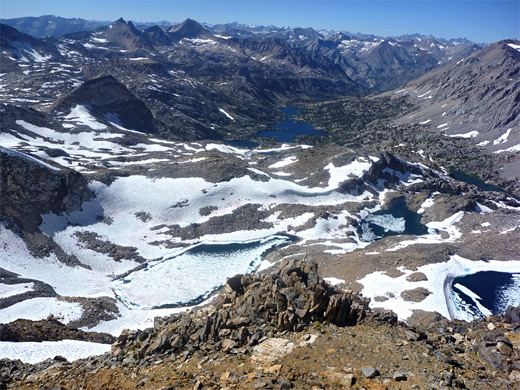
256, 207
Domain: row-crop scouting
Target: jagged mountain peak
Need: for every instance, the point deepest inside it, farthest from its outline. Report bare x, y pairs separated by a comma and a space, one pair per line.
188, 29
158, 36
154, 29
338, 37
124, 25
123, 34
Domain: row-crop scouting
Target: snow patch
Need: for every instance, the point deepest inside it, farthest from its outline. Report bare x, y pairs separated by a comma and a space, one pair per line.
226, 114
512, 45
9, 290
471, 134
36, 309
334, 281
283, 163
82, 116
503, 138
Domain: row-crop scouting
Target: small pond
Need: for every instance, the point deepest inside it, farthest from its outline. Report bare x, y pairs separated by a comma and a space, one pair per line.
485, 293
396, 219
192, 276
470, 179
242, 144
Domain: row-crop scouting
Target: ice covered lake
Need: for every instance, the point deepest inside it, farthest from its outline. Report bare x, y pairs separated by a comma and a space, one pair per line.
192, 276
396, 219
485, 293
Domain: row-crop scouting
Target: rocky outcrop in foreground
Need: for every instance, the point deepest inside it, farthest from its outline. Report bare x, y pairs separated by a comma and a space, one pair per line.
250, 308
289, 329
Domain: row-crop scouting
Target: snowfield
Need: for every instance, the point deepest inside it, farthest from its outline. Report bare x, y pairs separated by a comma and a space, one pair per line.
33, 352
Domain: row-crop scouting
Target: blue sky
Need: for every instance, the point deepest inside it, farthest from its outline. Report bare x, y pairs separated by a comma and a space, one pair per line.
480, 21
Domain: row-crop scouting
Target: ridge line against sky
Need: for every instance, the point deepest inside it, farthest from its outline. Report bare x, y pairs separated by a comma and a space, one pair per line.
478, 20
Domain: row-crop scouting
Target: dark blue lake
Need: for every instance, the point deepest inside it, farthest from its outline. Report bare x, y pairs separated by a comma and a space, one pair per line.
396, 219
288, 129
242, 144
485, 293
470, 179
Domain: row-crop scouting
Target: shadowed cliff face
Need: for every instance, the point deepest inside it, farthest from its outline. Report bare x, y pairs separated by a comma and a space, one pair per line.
29, 189
110, 99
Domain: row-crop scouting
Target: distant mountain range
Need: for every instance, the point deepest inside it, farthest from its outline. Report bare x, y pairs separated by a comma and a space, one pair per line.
50, 25
372, 61
193, 81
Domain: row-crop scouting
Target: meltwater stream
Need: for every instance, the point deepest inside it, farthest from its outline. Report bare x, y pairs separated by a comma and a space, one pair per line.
192, 276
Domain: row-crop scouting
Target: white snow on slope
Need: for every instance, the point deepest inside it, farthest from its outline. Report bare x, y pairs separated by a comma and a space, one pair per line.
503, 138
471, 134
512, 149
339, 174
428, 202
15, 257
81, 116
285, 162
226, 114
82, 146
228, 149
33, 352
36, 309
512, 45
28, 158
334, 281
8, 290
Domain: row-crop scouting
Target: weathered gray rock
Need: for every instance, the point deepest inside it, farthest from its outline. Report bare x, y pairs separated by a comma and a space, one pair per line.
369, 372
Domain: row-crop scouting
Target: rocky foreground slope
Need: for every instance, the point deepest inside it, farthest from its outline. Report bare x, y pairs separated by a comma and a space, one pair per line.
290, 329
